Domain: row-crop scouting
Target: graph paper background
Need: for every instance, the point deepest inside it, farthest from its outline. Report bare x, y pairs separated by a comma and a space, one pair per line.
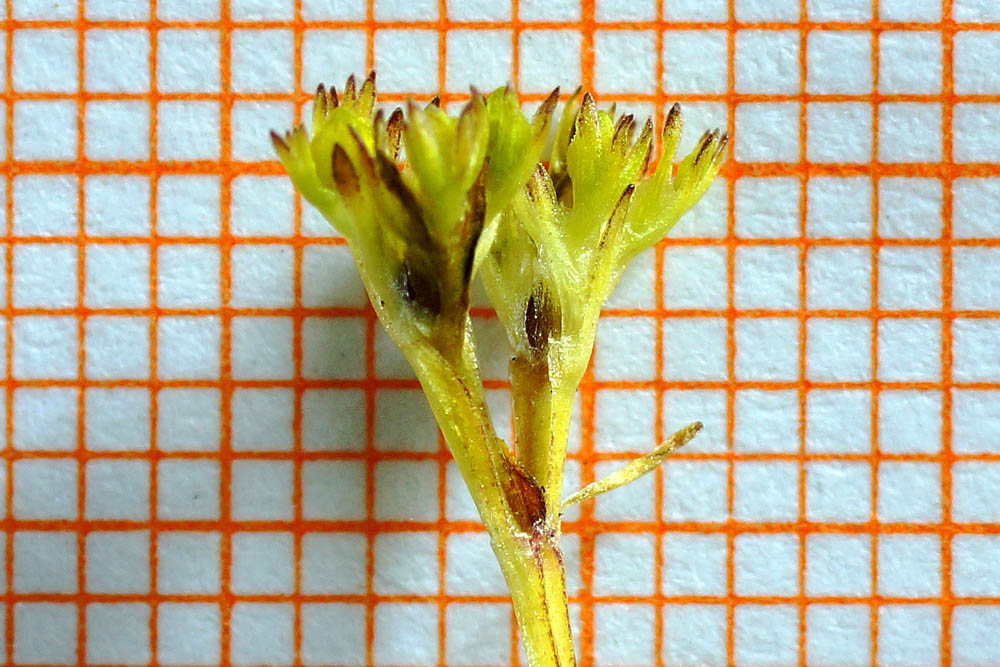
213, 456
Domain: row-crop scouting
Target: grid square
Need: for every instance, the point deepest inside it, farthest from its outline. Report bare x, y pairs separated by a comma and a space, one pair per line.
186, 10
261, 490
481, 58
838, 421
767, 132
911, 207
975, 565
330, 278
911, 10
976, 349
839, 207
765, 634
406, 563
973, 634
623, 420
44, 205
117, 562
188, 276
471, 568
694, 277
333, 490
118, 633
405, 634
909, 132
44, 633
765, 490
187, 60
407, 60
261, 206
973, 55
623, 634
345, 549
45, 418
909, 492
116, 348
261, 419
333, 633
767, 208
44, 562
684, 74
44, 347
188, 419
44, 60
633, 502
766, 10
45, 488
766, 277
975, 492
635, 289
187, 490
117, 489
838, 277
694, 348
976, 278
262, 10
838, 491
406, 490
713, 11
838, 565
767, 61
116, 61
766, 564
188, 562
116, 276
188, 347
909, 349
403, 421
838, 634
624, 60
765, 420
188, 205
778, 359
910, 62
390, 10
975, 418
188, 633
695, 491
910, 278
333, 348
839, 132
909, 421
188, 130
262, 563
973, 140
623, 564
330, 56
250, 123
694, 634
559, 49
45, 130
479, 10
851, 11
839, 61
324, 426
625, 348
261, 348
909, 635
477, 634
838, 349
344, 10
909, 565
253, 74
45, 275
694, 564
32, 9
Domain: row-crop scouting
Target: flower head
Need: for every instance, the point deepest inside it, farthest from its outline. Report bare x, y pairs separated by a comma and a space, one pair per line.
415, 230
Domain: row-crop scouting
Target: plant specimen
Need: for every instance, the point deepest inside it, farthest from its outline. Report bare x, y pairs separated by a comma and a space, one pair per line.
547, 213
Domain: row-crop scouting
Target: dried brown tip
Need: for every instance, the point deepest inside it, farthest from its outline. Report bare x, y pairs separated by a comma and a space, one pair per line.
673, 119
320, 102
278, 142
646, 136
549, 103
394, 130
334, 98
707, 140
351, 89
435, 102
542, 319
